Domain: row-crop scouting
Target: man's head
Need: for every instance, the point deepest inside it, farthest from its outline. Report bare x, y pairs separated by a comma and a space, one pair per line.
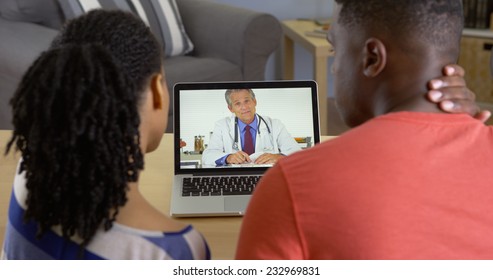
386, 49
242, 103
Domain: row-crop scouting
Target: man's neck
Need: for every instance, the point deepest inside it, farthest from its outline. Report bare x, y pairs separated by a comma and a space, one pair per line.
252, 123
406, 90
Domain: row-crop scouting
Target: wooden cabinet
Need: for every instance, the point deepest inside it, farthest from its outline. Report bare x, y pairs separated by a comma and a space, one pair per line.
475, 58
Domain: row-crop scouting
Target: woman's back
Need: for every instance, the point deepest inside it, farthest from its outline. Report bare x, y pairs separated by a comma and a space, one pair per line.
120, 242
85, 114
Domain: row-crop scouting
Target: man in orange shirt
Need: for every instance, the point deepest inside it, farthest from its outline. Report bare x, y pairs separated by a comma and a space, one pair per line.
409, 181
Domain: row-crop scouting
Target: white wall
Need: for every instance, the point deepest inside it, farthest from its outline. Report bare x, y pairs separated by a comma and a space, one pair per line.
201, 109
289, 9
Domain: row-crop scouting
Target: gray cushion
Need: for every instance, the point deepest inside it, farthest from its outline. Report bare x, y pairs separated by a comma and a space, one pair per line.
198, 69
25, 43
242, 36
45, 12
165, 21
162, 16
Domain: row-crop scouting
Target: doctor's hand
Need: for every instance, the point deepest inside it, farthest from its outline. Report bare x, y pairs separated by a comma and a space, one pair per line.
268, 158
238, 158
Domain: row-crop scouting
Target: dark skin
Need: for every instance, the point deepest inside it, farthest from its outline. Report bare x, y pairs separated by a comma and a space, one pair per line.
452, 95
370, 82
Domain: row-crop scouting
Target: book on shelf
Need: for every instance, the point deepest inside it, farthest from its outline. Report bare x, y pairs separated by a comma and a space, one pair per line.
477, 13
481, 9
469, 7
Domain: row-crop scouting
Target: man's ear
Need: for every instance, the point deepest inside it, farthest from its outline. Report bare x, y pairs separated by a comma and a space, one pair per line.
157, 91
375, 57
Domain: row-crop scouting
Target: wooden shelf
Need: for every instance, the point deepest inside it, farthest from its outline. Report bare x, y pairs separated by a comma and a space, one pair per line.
478, 33
475, 58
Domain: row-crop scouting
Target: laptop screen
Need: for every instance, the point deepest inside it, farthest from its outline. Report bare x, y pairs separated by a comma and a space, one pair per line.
207, 129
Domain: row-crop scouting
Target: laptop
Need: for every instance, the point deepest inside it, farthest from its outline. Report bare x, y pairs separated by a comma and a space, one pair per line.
202, 188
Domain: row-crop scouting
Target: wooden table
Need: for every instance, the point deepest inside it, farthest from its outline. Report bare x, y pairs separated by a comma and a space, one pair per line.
155, 183
319, 48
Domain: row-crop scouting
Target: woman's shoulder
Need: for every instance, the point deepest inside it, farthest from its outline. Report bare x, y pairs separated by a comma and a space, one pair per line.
186, 243
139, 220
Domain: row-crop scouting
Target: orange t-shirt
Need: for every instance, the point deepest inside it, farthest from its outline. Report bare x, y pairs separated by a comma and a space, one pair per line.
404, 185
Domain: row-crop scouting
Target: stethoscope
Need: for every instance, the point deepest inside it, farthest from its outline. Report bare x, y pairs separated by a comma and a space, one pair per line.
235, 143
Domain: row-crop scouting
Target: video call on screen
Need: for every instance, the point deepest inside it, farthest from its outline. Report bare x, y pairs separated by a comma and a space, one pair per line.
201, 109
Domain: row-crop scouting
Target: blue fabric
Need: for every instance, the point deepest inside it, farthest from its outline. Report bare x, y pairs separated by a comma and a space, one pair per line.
221, 161
175, 245
23, 249
120, 242
50, 245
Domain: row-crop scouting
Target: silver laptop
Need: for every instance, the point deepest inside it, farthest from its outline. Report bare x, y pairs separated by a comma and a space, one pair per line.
202, 187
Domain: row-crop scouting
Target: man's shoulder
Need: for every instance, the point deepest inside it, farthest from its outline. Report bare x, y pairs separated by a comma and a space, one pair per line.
389, 133
365, 135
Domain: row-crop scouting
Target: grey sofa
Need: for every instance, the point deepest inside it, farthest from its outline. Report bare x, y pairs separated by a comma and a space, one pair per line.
231, 44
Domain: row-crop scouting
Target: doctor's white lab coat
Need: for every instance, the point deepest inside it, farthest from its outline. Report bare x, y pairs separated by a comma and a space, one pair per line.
222, 140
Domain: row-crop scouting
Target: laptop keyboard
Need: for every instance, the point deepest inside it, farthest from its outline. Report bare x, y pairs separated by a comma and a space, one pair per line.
216, 186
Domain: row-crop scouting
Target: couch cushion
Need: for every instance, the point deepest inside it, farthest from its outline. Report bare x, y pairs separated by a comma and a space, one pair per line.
200, 69
162, 16
22, 42
46, 12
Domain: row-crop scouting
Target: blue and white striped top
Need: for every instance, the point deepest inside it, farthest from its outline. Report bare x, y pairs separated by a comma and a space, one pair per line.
120, 242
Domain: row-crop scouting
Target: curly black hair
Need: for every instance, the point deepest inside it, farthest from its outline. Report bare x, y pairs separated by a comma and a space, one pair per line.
76, 122
127, 38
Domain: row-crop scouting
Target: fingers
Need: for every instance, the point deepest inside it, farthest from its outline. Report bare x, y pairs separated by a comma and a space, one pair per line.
443, 82
268, 158
452, 89
483, 115
456, 101
454, 77
453, 70
451, 93
263, 159
459, 106
238, 158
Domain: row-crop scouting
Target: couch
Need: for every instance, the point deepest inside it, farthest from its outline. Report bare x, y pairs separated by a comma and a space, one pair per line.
230, 44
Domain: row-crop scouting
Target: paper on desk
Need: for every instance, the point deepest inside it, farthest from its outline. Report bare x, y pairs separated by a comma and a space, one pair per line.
253, 157
250, 165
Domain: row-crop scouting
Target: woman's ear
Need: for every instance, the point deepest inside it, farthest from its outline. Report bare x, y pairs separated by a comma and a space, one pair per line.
157, 91
374, 57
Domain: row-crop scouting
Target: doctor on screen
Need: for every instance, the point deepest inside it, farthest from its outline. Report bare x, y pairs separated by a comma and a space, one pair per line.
247, 137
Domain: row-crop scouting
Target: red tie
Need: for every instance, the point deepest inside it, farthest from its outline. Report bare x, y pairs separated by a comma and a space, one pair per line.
248, 146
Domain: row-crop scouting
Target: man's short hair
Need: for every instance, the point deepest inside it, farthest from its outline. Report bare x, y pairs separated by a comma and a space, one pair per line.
228, 93
437, 23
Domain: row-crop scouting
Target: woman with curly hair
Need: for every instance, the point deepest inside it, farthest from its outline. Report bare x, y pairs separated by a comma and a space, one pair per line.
85, 113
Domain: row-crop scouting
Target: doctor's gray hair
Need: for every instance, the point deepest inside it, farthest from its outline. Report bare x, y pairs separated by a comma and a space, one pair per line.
228, 93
